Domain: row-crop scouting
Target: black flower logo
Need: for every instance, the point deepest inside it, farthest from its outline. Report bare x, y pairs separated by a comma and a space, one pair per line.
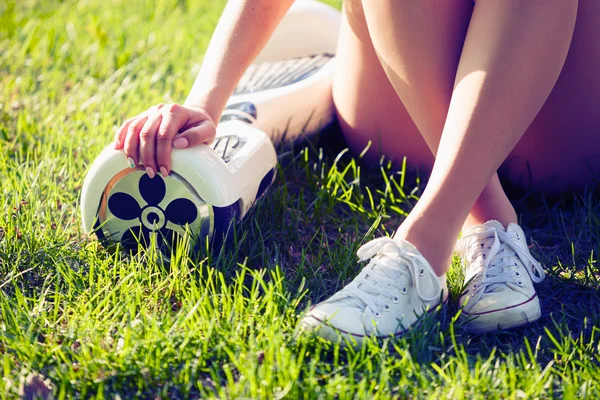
152, 219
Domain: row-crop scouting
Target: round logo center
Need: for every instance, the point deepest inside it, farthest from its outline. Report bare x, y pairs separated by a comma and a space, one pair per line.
153, 218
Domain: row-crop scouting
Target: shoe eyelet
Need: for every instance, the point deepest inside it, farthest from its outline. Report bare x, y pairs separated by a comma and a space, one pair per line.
518, 237
377, 314
518, 274
404, 290
396, 300
422, 272
515, 264
387, 307
520, 283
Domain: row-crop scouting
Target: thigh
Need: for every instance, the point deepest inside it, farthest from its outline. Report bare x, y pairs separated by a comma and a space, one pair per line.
367, 106
561, 148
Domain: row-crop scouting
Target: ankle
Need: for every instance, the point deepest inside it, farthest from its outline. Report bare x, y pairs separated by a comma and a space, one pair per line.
492, 204
435, 247
478, 219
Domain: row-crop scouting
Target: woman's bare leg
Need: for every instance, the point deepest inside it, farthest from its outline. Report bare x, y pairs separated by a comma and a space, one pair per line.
560, 150
369, 109
512, 57
367, 106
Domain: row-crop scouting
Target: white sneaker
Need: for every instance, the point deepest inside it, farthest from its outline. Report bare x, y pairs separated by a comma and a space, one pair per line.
500, 272
388, 295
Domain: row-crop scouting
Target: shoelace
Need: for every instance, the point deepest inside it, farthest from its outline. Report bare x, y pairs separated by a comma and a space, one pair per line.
495, 272
388, 263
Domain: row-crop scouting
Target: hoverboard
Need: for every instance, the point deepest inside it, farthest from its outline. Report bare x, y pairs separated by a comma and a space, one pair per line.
286, 92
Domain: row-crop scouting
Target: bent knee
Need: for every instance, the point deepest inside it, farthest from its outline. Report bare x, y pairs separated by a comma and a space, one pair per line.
355, 16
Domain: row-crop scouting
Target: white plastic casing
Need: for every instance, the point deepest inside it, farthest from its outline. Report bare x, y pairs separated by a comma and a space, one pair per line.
309, 28
218, 183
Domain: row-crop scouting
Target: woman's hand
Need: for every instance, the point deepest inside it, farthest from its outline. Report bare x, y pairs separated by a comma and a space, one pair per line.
243, 30
150, 136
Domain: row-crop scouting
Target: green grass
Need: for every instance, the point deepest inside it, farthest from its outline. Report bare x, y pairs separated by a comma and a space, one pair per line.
79, 321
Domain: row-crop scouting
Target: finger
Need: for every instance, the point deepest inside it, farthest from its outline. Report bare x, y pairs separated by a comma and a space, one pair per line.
203, 133
173, 119
148, 143
121, 132
132, 140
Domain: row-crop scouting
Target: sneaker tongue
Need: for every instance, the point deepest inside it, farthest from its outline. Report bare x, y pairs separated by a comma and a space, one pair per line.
404, 247
497, 288
494, 224
477, 229
515, 232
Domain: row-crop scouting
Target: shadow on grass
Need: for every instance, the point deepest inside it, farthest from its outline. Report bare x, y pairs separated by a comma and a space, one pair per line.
564, 232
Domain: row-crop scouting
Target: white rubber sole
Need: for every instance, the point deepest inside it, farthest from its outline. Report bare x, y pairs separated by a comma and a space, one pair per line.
326, 331
506, 318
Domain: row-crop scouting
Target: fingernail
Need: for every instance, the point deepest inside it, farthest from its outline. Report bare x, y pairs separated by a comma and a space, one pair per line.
163, 172
150, 172
116, 144
130, 162
180, 143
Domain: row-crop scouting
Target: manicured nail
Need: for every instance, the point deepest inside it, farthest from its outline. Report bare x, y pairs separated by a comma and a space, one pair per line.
130, 162
180, 143
150, 172
163, 172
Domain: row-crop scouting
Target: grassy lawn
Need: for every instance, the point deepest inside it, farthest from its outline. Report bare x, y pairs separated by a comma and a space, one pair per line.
78, 321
